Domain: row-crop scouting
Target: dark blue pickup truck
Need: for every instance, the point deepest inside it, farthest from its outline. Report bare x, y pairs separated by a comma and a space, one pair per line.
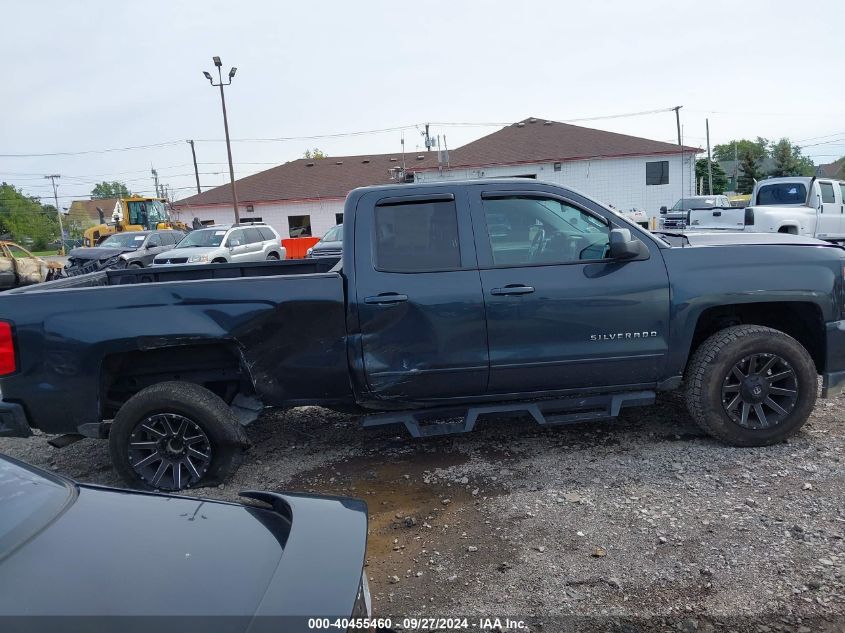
451, 301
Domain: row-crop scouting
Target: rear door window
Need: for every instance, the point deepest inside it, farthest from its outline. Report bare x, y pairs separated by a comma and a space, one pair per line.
827, 192
253, 235
417, 236
267, 233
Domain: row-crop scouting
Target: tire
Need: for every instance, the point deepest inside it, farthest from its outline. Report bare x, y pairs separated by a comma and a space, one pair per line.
219, 261
135, 265
772, 364
273, 256
157, 420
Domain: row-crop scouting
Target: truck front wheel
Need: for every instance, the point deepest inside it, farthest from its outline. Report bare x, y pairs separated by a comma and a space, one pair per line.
750, 385
175, 435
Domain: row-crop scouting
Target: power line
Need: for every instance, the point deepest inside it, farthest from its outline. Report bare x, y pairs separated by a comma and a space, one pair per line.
396, 128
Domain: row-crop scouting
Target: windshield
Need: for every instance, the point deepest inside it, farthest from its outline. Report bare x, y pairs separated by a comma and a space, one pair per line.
695, 203
29, 500
782, 193
147, 213
124, 240
334, 234
203, 237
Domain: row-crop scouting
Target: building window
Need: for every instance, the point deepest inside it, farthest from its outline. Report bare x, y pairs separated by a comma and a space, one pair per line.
338, 218
250, 208
657, 173
299, 225
417, 237
557, 166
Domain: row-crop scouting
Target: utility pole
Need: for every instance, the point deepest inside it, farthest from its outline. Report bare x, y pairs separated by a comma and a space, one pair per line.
196, 171
427, 139
677, 110
219, 65
155, 179
709, 161
52, 179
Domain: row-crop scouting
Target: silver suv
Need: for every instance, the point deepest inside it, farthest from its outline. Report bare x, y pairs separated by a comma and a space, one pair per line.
227, 243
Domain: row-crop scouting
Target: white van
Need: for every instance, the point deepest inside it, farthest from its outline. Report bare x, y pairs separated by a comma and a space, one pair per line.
814, 207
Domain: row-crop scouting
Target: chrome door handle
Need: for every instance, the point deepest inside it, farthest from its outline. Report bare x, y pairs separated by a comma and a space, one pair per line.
387, 298
515, 289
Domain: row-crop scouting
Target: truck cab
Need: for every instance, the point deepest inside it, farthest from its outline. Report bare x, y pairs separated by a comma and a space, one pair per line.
809, 206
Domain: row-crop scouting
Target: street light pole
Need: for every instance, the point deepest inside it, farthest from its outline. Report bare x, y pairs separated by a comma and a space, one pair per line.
219, 65
52, 179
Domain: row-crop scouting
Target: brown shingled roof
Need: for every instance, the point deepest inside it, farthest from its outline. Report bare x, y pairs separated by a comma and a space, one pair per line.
835, 169
540, 140
531, 140
310, 178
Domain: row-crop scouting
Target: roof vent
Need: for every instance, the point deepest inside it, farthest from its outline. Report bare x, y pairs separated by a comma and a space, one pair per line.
338, 162
393, 160
420, 157
532, 120
366, 160
520, 124
547, 123
309, 164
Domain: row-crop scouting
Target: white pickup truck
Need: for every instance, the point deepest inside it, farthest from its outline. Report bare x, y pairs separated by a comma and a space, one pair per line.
814, 207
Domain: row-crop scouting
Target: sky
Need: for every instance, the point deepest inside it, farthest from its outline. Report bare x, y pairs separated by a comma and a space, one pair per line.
89, 76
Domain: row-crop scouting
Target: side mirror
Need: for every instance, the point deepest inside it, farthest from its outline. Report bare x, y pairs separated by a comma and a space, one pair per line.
623, 246
234, 243
663, 209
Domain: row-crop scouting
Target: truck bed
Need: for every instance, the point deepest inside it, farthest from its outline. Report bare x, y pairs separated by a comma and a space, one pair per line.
186, 273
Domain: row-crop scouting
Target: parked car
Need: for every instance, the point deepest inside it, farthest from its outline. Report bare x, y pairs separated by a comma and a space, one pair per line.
291, 558
331, 244
562, 310
814, 207
130, 249
19, 267
678, 216
228, 243
637, 216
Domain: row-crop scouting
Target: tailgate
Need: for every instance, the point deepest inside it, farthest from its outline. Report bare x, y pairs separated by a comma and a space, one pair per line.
733, 218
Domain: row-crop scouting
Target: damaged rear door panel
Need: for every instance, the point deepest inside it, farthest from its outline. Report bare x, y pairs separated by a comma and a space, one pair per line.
420, 307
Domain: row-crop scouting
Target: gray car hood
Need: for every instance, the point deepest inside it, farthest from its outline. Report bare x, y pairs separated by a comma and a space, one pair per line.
191, 251
123, 553
98, 252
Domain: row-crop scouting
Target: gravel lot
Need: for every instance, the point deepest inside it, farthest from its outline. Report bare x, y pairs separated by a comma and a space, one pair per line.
644, 517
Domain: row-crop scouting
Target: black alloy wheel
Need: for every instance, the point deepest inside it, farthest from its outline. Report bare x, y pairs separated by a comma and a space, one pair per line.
169, 451
760, 391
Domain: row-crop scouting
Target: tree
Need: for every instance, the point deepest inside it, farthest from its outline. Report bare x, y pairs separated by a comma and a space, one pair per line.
26, 219
788, 160
749, 171
738, 148
314, 153
720, 179
112, 189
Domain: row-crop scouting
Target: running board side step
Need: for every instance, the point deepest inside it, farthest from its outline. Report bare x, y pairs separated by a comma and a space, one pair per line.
545, 413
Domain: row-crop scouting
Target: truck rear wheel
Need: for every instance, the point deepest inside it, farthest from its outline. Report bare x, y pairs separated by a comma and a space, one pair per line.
750, 385
175, 435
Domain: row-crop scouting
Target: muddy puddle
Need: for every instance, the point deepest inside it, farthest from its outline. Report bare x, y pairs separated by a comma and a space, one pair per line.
422, 509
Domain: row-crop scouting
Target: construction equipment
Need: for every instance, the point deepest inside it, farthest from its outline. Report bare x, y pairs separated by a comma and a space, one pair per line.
133, 214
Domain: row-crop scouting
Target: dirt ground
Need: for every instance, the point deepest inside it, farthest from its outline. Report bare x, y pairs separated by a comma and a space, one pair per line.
643, 517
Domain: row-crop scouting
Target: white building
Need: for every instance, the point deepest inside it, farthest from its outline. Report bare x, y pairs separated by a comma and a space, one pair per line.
617, 169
